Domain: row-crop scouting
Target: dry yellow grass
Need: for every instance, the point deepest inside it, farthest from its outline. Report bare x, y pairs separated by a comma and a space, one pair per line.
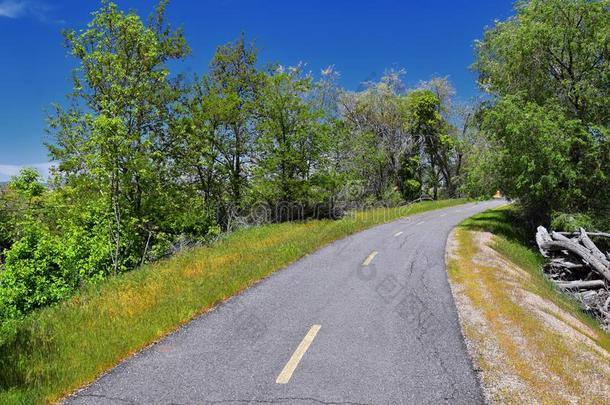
531, 344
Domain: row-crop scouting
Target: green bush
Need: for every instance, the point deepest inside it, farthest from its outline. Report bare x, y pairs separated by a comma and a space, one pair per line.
56, 250
36, 273
570, 222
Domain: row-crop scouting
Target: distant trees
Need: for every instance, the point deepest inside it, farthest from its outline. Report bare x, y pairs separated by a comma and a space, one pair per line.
405, 143
292, 139
549, 68
214, 137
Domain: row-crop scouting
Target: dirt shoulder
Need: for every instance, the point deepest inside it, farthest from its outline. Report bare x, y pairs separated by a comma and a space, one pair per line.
527, 344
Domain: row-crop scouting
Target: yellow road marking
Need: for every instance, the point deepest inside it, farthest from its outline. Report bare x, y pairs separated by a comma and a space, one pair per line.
398, 233
370, 258
292, 364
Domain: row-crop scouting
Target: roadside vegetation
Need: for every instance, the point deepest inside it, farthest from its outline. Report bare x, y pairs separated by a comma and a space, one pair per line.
150, 161
545, 132
58, 349
530, 342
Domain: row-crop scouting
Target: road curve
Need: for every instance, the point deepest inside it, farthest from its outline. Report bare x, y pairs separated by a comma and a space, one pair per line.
368, 319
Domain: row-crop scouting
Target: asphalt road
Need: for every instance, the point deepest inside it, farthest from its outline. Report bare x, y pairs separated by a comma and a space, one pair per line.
344, 325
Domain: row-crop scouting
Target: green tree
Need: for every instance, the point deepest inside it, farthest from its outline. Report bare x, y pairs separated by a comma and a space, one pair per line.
116, 131
22, 200
424, 123
550, 161
380, 141
552, 49
28, 183
232, 86
292, 140
549, 70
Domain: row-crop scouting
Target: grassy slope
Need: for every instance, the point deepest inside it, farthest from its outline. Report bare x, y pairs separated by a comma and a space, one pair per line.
58, 349
551, 365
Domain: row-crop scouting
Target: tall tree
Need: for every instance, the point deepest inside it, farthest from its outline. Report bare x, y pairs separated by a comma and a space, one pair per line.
292, 138
232, 89
116, 129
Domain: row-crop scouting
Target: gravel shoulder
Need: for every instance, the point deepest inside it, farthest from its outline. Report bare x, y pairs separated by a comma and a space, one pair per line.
527, 346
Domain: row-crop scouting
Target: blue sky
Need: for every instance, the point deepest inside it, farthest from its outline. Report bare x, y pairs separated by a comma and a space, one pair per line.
360, 38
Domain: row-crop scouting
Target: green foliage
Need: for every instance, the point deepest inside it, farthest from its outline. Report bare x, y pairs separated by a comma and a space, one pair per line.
552, 49
54, 253
549, 161
534, 145
36, 273
571, 222
292, 138
480, 177
28, 183
20, 202
548, 129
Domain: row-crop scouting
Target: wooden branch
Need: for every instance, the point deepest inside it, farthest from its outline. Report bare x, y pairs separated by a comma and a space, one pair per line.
560, 236
591, 284
584, 238
559, 262
600, 234
576, 250
542, 237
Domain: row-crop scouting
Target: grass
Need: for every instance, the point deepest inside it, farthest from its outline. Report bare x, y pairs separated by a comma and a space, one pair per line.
533, 352
61, 348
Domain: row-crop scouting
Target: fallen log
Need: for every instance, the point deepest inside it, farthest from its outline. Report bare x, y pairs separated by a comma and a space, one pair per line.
581, 284
599, 234
547, 244
575, 264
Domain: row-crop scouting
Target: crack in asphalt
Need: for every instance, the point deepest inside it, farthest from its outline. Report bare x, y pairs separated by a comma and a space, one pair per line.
127, 401
429, 338
284, 399
247, 401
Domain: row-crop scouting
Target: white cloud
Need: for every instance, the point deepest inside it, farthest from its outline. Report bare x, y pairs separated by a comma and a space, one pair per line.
13, 9
7, 171
37, 9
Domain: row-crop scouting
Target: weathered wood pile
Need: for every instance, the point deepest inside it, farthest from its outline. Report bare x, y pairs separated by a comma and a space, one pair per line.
580, 268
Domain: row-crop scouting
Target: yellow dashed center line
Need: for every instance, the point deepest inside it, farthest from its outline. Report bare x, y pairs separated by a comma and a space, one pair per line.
369, 259
294, 361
